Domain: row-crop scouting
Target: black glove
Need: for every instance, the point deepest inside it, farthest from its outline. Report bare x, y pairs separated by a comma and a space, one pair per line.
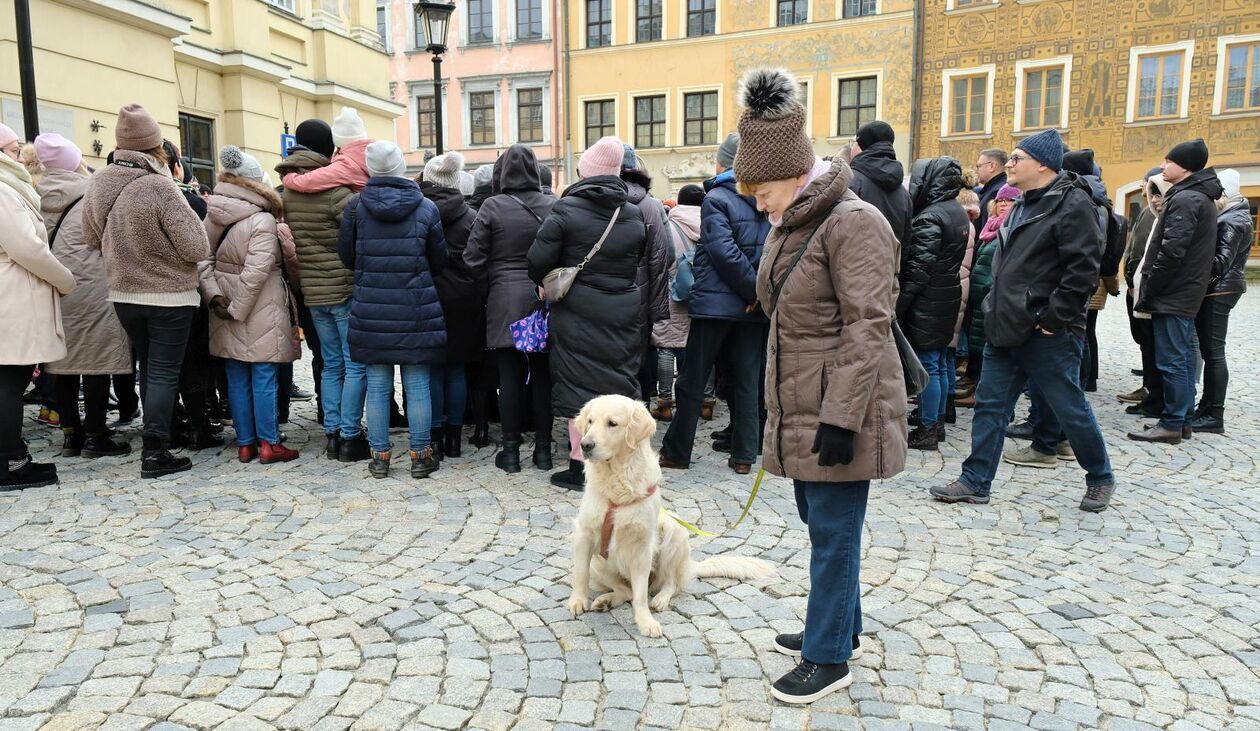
833, 445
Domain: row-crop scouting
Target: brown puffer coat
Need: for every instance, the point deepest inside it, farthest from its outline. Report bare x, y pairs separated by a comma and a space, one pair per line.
245, 268
831, 356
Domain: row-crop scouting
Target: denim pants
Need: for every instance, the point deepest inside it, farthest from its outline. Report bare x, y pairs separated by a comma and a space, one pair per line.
159, 335
448, 390
951, 378
1053, 362
252, 393
1175, 358
380, 387
344, 381
666, 358
1212, 325
833, 512
743, 347
932, 400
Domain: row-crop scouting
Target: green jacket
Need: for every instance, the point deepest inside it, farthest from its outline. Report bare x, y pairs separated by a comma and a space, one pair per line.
314, 219
981, 283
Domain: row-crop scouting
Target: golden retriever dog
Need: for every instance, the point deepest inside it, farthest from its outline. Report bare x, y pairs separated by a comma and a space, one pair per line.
623, 543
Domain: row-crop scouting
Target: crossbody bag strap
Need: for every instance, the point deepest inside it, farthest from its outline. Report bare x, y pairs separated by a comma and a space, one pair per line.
599, 244
524, 205
796, 259
64, 214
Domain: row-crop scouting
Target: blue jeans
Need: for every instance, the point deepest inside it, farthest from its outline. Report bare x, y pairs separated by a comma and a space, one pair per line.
380, 386
448, 386
1053, 362
833, 512
932, 400
1046, 430
951, 378
1175, 358
344, 381
252, 392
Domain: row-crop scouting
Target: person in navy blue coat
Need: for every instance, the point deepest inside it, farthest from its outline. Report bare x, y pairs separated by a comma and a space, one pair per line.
724, 319
391, 236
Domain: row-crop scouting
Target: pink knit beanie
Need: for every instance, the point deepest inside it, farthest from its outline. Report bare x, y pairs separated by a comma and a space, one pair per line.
7, 134
602, 158
56, 152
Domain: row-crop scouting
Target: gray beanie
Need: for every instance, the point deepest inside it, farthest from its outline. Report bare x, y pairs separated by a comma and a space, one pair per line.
385, 159
466, 184
483, 175
726, 151
239, 163
443, 170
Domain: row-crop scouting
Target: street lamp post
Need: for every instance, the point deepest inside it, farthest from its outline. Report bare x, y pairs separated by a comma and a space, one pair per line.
26, 69
436, 19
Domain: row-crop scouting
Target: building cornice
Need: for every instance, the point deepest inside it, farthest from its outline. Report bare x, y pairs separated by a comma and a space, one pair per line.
332, 91
136, 14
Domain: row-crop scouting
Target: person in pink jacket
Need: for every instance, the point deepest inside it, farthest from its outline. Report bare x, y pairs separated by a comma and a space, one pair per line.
348, 166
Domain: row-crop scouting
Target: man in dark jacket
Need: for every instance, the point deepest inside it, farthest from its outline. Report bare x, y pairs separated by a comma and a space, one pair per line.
877, 177
1175, 275
724, 319
991, 172
1044, 270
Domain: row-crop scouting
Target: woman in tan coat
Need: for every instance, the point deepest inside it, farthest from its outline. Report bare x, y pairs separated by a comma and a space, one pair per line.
31, 284
253, 324
828, 283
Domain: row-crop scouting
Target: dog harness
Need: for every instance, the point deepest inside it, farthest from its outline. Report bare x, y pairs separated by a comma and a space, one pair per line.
605, 533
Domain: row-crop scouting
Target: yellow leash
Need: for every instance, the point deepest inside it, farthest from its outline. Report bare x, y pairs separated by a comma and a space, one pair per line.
747, 506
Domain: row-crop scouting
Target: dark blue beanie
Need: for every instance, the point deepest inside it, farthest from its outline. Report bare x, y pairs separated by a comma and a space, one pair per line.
1046, 147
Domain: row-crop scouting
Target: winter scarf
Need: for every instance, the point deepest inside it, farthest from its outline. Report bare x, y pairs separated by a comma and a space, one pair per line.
16, 176
991, 226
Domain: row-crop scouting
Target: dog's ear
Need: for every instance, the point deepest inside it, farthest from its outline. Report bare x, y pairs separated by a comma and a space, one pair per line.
583, 420
640, 426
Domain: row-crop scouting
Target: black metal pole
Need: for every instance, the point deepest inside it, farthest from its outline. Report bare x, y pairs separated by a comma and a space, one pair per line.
26, 69
437, 101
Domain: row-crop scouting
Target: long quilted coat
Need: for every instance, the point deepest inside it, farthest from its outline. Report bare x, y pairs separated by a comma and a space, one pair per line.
245, 269
930, 291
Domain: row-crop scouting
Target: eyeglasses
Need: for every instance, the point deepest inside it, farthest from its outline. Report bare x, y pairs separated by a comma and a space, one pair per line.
1017, 159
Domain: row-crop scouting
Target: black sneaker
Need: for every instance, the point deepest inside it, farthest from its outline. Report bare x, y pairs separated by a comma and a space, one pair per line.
791, 645
810, 681
1022, 430
100, 445
30, 474
354, 449
162, 462
424, 463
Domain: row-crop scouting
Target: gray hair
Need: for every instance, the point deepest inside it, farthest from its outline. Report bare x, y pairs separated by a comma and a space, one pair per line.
995, 154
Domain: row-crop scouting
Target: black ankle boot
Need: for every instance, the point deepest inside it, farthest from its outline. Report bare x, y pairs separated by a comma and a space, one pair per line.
454, 445
542, 455
1211, 421
435, 441
509, 458
333, 446
573, 478
158, 462
202, 439
481, 436
100, 445
72, 444
19, 474
951, 414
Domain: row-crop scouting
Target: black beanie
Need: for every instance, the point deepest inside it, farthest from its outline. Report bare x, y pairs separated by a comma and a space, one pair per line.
316, 135
1080, 162
1192, 155
691, 195
872, 132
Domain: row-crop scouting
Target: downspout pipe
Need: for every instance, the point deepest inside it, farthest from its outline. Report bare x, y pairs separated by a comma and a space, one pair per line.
916, 87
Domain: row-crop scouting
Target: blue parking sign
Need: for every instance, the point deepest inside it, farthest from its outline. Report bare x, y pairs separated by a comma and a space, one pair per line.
286, 143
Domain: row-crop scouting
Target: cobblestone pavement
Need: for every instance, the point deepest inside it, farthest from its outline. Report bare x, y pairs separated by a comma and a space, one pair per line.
308, 596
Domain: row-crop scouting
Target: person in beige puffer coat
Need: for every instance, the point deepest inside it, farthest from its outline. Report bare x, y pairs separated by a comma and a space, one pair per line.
243, 282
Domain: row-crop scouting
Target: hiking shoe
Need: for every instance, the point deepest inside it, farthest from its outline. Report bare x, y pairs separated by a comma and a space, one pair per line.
379, 466
424, 463
1208, 425
1029, 457
1022, 430
923, 437
958, 492
810, 681
1133, 397
297, 393
354, 449
1065, 452
791, 645
1097, 498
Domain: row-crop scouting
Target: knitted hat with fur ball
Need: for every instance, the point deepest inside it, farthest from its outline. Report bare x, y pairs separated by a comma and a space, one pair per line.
443, 170
772, 140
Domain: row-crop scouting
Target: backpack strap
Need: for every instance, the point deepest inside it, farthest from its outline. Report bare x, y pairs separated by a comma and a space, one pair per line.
64, 215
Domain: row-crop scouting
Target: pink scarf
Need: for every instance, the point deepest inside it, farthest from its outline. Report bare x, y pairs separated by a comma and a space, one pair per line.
991, 226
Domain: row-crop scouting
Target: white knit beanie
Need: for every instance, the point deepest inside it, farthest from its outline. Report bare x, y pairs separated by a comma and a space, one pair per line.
236, 161
443, 170
483, 175
348, 127
466, 184
384, 158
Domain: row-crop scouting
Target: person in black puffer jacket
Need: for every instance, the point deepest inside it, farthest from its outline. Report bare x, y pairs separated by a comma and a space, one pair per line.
653, 278
877, 177
595, 329
930, 291
391, 236
1234, 234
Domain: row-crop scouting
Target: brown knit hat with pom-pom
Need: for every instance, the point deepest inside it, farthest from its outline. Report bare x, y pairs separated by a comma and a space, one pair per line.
772, 140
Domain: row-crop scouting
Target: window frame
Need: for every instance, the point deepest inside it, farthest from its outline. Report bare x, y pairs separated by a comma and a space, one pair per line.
842, 9
683, 93
1220, 88
685, 7
516, 22
415, 32
634, 97
634, 21
466, 24
1022, 68
969, 5
288, 6
1136, 54
542, 113
420, 143
388, 7
586, 127
208, 163
947, 78
468, 117
856, 75
609, 18
775, 7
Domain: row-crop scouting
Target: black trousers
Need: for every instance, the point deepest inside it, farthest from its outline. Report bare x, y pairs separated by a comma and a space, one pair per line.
1089, 364
159, 335
1212, 326
125, 390
194, 372
1143, 332
515, 368
13, 382
95, 402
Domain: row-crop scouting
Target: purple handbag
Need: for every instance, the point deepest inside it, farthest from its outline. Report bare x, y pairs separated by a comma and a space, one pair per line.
530, 333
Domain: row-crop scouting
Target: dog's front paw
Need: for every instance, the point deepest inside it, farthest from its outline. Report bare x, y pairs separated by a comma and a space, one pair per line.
649, 627
605, 602
577, 604
660, 603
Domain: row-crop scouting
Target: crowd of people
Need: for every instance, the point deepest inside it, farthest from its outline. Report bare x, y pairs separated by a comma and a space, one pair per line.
801, 290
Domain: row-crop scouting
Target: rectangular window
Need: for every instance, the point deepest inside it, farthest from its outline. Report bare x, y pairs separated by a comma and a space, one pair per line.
859, 8
529, 20
601, 120
529, 115
700, 118
598, 23
649, 121
1159, 85
648, 20
197, 136
289, 5
701, 18
382, 24
480, 21
1242, 77
968, 104
417, 26
426, 122
1043, 98
481, 118
857, 101
792, 12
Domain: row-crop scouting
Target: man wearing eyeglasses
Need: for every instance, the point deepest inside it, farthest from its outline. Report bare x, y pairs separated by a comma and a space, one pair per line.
991, 172
1044, 270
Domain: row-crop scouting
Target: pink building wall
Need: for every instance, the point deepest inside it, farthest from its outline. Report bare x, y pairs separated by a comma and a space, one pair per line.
505, 66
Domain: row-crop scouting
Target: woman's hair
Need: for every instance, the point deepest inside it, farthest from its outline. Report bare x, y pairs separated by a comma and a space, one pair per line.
159, 153
969, 179
26, 156
970, 202
172, 155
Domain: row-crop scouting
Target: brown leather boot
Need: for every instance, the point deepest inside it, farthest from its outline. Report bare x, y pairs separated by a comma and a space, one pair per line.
706, 410
664, 410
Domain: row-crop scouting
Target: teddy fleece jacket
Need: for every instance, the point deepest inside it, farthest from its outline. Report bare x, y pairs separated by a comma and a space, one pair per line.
348, 168
150, 238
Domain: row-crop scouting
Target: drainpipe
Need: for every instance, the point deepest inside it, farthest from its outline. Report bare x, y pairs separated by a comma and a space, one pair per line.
568, 77
916, 89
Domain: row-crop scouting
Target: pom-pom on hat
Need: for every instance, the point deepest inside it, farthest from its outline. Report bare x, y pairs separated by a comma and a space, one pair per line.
772, 140
236, 161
